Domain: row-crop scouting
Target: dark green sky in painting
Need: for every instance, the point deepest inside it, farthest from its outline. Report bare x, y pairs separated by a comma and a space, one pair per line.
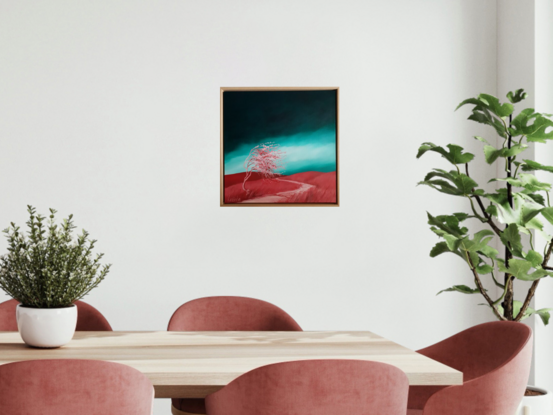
303, 123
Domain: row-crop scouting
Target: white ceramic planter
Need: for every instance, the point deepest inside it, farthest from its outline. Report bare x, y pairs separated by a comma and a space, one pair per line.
46, 327
536, 405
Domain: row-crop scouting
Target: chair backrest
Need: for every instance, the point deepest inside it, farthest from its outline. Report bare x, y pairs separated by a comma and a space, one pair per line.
8, 321
314, 387
495, 359
482, 348
231, 314
69, 387
88, 318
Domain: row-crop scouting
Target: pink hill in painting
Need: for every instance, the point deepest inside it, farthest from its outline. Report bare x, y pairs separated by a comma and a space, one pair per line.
306, 187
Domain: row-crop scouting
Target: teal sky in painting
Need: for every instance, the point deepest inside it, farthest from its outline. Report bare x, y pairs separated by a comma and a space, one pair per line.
302, 123
309, 151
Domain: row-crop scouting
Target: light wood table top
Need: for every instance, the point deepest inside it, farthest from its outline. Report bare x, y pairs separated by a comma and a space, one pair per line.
195, 364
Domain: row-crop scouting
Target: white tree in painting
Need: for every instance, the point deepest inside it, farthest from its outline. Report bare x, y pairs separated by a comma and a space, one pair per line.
265, 159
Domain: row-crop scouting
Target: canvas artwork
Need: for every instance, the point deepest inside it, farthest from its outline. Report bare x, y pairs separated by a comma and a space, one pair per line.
279, 147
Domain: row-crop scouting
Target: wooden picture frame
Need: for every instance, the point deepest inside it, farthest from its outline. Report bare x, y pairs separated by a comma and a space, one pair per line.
313, 188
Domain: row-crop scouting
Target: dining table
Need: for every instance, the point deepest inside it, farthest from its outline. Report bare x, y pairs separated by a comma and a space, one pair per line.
195, 364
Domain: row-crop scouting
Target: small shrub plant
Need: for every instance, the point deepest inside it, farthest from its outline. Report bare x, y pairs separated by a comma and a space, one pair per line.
47, 267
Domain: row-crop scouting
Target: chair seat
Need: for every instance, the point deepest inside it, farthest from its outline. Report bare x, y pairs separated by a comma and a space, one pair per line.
176, 411
414, 412
188, 406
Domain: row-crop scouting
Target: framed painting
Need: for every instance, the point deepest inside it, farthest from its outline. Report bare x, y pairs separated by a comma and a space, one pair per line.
279, 146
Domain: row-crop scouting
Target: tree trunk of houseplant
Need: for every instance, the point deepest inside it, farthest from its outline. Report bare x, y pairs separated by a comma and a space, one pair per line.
512, 212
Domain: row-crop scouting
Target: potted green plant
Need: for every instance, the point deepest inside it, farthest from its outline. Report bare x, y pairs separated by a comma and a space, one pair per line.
512, 214
47, 270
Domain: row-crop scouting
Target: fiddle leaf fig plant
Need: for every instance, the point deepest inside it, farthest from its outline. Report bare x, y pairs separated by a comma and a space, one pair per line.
511, 214
48, 268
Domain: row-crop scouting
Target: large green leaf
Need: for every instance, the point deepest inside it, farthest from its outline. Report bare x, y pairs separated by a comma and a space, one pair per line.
461, 216
518, 267
470, 245
489, 252
464, 183
438, 249
448, 224
474, 101
527, 181
493, 104
519, 124
488, 110
461, 289
543, 312
531, 165
482, 139
492, 210
541, 130
491, 153
529, 213
535, 126
476, 246
486, 102
533, 224
499, 198
535, 258
511, 238
536, 197
453, 220
522, 213
484, 269
455, 154
514, 150
452, 241
442, 186
456, 184
478, 236
483, 116
544, 315
441, 248
484, 108
516, 96
548, 214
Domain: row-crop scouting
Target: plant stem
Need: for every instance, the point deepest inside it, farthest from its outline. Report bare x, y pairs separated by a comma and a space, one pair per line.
534, 286
487, 216
509, 295
483, 291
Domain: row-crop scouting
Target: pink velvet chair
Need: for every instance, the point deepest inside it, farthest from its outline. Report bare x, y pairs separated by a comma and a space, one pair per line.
72, 387
314, 387
225, 314
88, 318
495, 360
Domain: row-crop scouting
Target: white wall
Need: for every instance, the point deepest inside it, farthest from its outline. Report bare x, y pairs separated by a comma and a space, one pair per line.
544, 155
110, 111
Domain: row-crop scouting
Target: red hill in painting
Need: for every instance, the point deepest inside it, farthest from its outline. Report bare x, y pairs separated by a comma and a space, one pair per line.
232, 179
305, 187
